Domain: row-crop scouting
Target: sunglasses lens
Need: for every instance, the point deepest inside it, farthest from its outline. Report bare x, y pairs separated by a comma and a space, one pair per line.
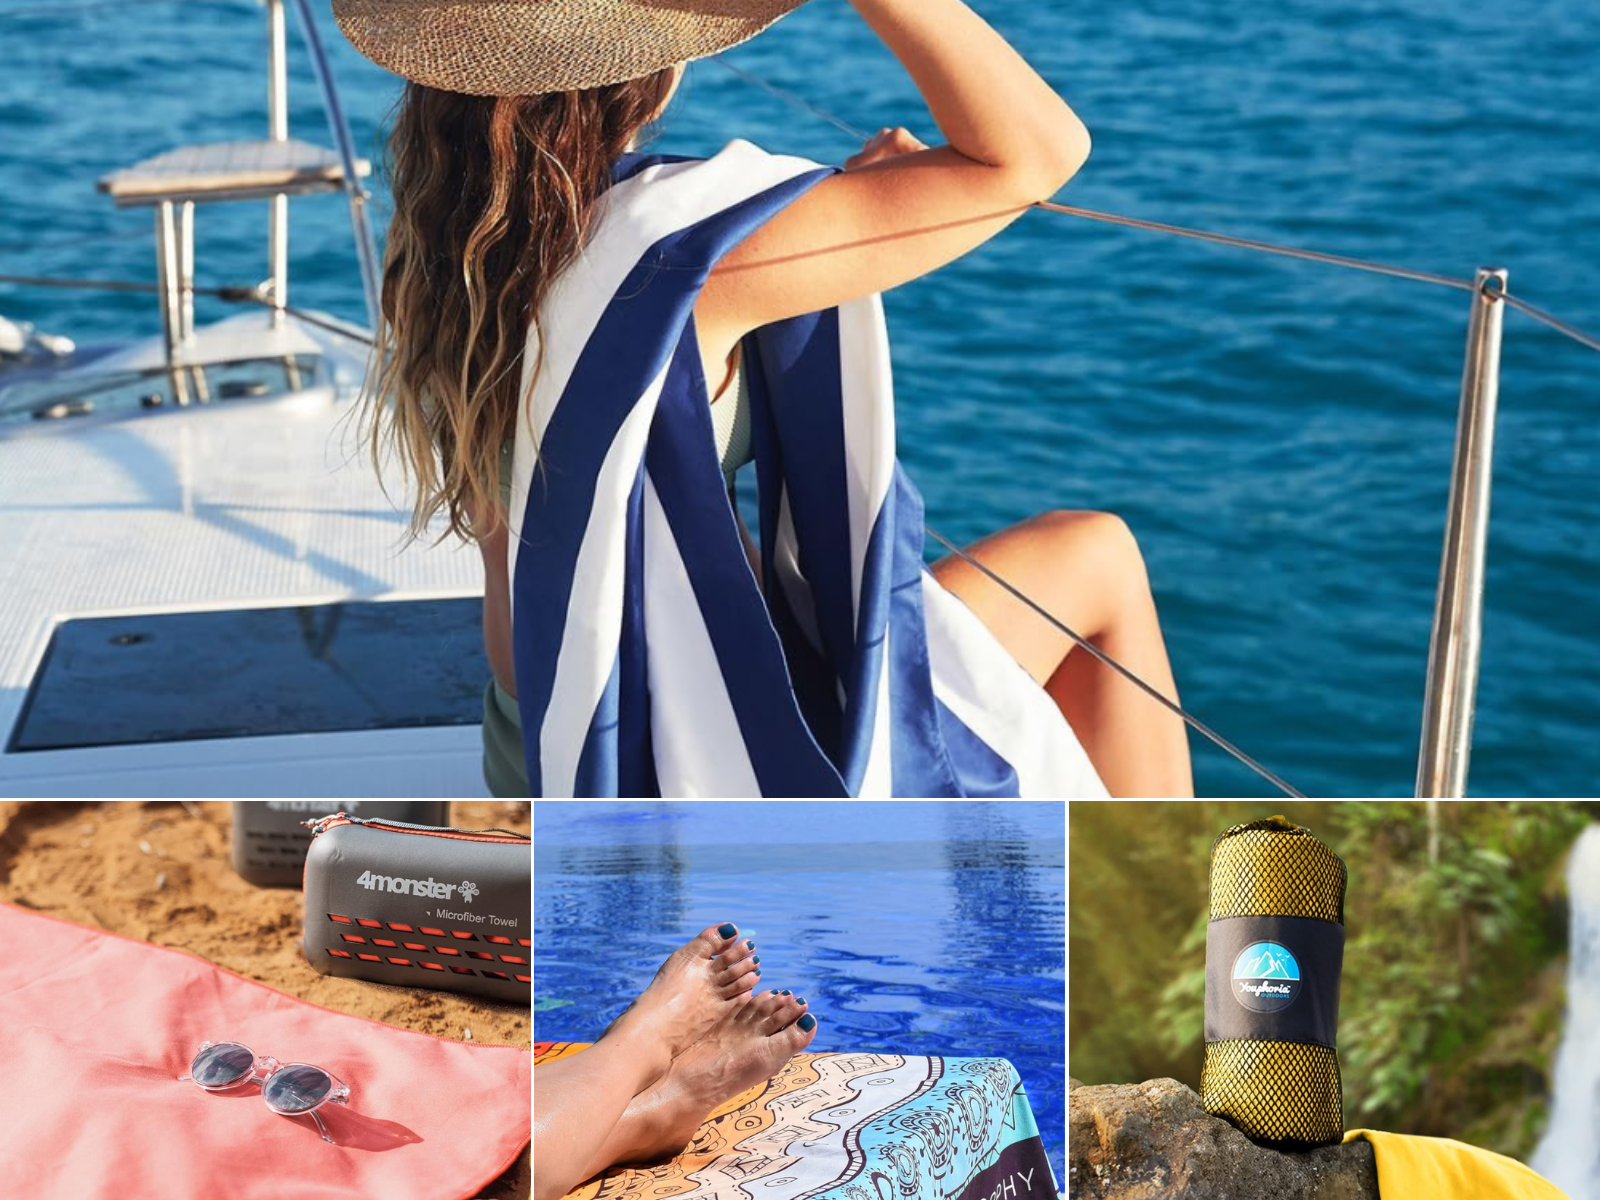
221, 1065
297, 1089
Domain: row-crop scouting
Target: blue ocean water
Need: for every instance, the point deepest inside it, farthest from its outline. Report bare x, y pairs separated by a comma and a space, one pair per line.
1278, 434
912, 928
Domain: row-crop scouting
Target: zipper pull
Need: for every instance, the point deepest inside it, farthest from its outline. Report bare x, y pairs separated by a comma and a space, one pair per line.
320, 825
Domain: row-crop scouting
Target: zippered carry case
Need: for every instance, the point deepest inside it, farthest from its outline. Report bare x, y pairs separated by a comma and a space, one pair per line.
420, 906
270, 839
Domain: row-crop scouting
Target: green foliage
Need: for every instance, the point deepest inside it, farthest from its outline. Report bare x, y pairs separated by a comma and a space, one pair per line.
1450, 1006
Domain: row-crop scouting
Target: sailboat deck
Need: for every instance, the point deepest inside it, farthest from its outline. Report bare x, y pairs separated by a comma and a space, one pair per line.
243, 504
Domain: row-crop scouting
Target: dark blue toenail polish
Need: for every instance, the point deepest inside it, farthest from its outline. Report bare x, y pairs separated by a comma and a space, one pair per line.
807, 1023
799, 999
749, 945
787, 992
728, 930
758, 972
755, 958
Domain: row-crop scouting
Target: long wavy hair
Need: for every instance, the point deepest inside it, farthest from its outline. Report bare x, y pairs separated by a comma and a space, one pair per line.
494, 197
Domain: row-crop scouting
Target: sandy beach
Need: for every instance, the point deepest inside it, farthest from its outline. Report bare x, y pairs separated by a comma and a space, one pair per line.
160, 872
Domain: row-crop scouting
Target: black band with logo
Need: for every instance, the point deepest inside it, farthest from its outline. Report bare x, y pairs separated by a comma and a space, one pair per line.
1273, 979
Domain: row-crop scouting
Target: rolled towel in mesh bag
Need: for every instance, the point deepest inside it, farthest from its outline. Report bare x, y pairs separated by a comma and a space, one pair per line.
1274, 951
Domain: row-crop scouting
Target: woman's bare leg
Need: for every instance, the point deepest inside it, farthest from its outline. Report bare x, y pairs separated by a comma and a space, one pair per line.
750, 1044
1085, 568
578, 1101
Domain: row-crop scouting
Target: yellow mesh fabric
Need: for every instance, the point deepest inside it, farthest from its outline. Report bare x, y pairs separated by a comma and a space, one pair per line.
1272, 868
1276, 1092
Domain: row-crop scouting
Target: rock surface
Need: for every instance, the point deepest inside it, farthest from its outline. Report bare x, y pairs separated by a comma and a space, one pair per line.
1146, 1140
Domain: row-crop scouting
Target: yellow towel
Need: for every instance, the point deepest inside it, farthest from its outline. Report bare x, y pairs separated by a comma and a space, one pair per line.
1428, 1168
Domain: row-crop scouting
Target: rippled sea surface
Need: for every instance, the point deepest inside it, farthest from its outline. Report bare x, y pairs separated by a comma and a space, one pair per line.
1277, 433
916, 928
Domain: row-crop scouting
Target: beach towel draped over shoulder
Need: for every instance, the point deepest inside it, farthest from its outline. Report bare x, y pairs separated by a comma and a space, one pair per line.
649, 660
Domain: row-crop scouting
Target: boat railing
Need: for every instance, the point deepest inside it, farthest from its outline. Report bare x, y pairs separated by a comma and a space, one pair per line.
1455, 645
344, 142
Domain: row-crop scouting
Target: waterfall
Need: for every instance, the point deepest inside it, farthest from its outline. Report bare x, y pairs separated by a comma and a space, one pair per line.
1569, 1154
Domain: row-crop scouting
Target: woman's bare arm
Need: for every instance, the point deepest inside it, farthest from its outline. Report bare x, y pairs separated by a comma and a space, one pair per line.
1012, 142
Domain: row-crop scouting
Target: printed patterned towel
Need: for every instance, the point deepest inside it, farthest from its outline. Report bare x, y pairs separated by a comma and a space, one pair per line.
853, 1127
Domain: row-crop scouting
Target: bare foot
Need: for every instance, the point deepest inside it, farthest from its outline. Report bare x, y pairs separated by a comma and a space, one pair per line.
700, 983
750, 1044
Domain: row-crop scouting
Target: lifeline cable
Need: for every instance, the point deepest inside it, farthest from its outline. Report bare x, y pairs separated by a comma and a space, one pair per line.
1274, 952
1090, 648
801, 104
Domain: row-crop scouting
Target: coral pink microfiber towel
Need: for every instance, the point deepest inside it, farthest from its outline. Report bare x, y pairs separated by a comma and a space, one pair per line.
96, 1028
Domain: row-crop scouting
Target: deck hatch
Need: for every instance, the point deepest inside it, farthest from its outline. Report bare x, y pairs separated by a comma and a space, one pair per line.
179, 677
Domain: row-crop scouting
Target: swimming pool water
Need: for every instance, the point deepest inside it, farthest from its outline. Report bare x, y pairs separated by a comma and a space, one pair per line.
911, 928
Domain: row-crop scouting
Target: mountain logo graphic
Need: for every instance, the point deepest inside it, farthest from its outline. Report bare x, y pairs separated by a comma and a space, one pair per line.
1266, 977
1266, 960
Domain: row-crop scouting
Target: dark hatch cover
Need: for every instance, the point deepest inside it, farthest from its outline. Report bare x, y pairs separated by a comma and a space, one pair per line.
168, 677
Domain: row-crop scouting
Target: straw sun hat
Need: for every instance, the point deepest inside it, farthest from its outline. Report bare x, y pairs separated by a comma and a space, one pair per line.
525, 47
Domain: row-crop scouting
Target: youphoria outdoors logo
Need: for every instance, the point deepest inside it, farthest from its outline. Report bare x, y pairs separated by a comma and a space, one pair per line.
1266, 977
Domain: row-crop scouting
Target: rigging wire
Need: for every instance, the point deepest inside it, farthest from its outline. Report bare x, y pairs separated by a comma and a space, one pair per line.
1223, 239
1555, 323
91, 285
1389, 270
230, 295
792, 98
800, 103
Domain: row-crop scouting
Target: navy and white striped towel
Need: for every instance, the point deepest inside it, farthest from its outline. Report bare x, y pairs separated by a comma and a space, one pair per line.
648, 660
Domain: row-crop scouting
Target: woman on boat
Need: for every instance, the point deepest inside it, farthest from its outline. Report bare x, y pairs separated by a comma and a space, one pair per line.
582, 346
696, 1037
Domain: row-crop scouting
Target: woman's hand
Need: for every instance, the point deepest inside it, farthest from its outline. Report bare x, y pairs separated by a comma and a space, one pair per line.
889, 143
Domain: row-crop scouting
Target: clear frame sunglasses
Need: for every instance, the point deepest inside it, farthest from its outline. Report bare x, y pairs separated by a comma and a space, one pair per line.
288, 1089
